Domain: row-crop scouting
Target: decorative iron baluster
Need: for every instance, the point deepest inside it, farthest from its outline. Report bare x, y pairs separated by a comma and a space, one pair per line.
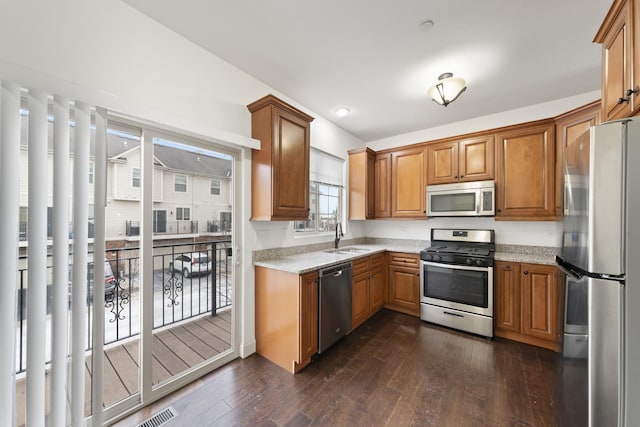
116, 300
172, 289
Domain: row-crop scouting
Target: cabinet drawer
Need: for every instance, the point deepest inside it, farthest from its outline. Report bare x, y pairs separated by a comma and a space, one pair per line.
404, 259
360, 266
376, 261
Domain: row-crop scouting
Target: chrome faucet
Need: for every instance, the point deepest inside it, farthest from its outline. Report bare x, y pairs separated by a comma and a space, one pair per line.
339, 234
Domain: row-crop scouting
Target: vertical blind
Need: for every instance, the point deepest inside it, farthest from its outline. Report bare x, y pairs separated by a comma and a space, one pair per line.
66, 397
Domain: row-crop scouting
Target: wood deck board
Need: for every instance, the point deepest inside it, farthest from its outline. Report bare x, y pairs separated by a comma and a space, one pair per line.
200, 347
174, 350
216, 343
126, 368
178, 348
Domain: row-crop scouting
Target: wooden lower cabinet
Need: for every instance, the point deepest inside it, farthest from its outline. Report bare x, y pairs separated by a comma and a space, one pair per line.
367, 288
404, 283
286, 317
528, 303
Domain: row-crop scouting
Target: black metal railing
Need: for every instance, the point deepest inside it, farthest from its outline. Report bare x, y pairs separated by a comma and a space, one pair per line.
181, 289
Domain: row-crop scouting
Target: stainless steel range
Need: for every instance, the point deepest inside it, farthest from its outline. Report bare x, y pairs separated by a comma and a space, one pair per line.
456, 278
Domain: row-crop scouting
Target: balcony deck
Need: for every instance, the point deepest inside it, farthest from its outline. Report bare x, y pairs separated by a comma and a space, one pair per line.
175, 349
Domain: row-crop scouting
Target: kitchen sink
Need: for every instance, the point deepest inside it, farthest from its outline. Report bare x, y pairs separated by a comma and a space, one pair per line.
347, 250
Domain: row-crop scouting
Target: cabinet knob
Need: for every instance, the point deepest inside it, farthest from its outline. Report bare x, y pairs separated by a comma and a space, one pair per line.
507, 267
461, 176
526, 272
628, 94
455, 177
418, 274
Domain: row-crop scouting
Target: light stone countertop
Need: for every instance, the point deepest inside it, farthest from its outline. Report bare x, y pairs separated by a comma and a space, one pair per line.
311, 261
528, 258
301, 263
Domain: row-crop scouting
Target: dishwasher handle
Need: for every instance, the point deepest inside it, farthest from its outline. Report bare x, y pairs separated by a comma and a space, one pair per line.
336, 270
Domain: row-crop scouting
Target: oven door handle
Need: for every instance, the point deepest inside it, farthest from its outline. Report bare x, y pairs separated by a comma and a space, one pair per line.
455, 266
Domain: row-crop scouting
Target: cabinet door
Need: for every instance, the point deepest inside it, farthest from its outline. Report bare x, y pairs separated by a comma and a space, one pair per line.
376, 284
308, 313
362, 184
572, 146
616, 77
525, 178
507, 296
442, 166
540, 301
383, 185
408, 183
291, 167
360, 299
404, 292
477, 157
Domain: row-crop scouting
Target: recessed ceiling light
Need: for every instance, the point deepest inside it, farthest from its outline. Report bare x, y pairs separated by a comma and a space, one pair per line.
342, 111
426, 25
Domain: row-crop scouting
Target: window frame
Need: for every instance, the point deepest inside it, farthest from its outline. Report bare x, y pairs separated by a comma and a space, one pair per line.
316, 216
134, 178
175, 183
212, 187
181, 215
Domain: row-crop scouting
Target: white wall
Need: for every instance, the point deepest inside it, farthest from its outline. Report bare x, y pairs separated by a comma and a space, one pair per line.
108, 54
530, 233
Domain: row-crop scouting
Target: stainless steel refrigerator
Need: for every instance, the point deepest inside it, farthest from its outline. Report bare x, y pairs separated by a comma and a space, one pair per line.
601, 242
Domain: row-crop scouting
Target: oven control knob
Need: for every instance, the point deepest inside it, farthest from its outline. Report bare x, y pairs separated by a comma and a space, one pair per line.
428, 257
469, 261
479, 262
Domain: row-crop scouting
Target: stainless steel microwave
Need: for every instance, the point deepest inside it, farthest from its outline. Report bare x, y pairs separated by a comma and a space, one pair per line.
476, 198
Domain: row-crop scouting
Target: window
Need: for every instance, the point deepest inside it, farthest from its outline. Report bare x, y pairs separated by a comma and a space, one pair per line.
325, 195
225, 221
182, 214
180, 184
135, 177
215, 187
325, 209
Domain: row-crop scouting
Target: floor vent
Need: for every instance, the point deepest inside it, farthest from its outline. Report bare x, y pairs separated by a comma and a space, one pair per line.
160, 418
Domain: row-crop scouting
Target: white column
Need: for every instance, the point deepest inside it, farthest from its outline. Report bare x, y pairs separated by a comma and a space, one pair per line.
99, 202
146, 256
82, 117
60, 323
9, 208
37, 259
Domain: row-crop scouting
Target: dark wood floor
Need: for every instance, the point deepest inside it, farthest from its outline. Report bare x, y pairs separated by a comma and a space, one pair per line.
392, 371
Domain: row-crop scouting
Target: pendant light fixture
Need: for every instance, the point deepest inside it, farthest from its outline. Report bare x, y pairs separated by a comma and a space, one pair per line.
447, 90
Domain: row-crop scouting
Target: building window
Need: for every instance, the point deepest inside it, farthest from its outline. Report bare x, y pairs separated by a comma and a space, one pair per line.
135, 177
182, 214
215, 187
180, 184
325, 203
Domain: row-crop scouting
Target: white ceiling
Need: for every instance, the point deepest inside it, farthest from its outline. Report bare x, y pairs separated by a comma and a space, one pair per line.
372, 56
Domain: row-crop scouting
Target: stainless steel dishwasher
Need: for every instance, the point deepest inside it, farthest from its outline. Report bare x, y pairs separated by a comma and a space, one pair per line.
335, 305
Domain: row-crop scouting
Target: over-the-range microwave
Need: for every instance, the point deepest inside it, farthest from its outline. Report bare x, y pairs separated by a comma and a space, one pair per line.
461, 199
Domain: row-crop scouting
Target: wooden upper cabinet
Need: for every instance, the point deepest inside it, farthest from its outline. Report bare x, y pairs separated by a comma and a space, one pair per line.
408, 183
572, 145
382, 185
280, 169
619, 36
470, 159
362, 184
525, 172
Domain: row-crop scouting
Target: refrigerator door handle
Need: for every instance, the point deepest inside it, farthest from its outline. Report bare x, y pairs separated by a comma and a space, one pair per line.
578, 273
